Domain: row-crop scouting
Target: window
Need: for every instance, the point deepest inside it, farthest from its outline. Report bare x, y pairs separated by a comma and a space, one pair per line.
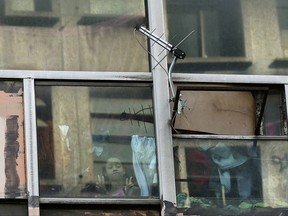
79, 35
283, 24
41, 5
227, 139
230, 175
217, 25
229, 110
31, 5
30, 13
96, 140
14, 207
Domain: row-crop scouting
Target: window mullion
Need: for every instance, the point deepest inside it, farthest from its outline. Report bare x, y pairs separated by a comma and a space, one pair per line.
161, 105
31, 147
286, 113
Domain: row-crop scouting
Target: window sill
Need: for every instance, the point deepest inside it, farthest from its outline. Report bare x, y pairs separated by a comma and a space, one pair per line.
97, 200
280, 63
30, 18
90, 19
213, 63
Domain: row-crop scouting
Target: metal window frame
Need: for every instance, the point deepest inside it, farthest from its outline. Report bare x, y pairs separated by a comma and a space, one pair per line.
29, 78
162, 126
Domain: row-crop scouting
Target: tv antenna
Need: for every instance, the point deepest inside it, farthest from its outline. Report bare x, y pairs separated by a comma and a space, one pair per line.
177, 53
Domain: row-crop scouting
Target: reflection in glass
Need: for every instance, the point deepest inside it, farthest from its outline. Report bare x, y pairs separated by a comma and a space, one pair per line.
96, 141
274, 114
282, 10
83, 35
231, 175
217, 25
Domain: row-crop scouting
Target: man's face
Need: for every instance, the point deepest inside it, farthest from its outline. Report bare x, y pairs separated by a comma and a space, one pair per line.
114, 169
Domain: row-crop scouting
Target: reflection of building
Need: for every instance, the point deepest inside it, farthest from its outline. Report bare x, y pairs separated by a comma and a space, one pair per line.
85, 73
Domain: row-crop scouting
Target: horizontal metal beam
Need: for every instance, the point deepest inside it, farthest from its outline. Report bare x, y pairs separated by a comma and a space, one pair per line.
228, 78
142, 76
76, 75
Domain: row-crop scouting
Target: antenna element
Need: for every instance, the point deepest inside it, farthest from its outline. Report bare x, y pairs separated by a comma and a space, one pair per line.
172, 49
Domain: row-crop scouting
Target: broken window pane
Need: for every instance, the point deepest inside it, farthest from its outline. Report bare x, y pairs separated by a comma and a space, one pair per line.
96, 141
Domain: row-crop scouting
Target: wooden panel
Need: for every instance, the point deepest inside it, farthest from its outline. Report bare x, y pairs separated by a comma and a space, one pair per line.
219, 112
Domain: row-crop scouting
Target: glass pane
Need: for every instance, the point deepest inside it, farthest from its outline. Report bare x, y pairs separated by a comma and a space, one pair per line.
274, 114
231, 177
216, 23
12, 166
95, 210
82, 35
43, 5
283, 24
13, 209
96, 141
218, 37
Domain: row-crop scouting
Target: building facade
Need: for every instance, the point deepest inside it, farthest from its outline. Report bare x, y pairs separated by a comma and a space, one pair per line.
144, 107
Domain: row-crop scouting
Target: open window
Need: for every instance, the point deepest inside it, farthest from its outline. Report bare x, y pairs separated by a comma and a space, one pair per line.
229, 110
230, 148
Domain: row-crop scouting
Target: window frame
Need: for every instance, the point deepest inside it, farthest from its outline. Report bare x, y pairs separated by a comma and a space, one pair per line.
204, 63
29, 78
198, 10
161, 127
255, 80
220, 138
30, 125
37, 17
128, 86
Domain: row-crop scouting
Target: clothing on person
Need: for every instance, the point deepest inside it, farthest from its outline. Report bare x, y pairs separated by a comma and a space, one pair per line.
228, 161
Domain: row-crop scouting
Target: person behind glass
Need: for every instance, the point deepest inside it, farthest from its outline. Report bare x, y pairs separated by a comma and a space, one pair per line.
115, 181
